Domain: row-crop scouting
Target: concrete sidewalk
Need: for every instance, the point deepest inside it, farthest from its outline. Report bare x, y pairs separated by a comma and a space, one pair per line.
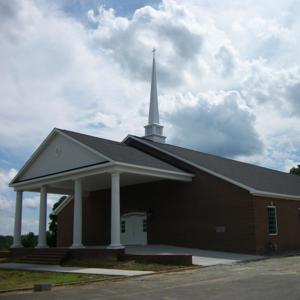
77, 270
199, 257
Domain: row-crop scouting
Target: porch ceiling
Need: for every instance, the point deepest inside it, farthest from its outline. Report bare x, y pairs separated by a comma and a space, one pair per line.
97, 182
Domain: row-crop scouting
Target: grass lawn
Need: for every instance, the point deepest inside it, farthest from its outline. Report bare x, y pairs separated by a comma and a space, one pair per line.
121, 265
11, 279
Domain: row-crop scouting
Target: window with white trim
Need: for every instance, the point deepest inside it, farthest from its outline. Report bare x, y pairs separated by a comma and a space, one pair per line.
272, 220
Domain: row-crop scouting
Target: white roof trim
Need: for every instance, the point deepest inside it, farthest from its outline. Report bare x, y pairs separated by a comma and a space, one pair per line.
44, 144
243, 186
108, 167
59, 208
275, 195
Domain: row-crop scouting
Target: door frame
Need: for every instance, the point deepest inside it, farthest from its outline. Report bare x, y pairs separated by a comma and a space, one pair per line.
135, 213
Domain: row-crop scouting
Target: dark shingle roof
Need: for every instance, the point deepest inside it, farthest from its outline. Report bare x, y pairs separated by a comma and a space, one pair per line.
256, 177
120, 152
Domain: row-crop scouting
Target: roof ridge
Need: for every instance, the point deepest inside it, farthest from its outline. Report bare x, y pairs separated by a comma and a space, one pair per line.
216, 156
92, 136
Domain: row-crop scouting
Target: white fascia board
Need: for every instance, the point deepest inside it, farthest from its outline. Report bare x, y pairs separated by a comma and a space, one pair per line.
62, 205
44, 144
161, 173
275, 195
68, 175
108, 167
243, 186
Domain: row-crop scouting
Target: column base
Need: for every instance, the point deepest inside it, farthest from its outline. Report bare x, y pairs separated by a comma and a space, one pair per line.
115, 247
41, 246
17, 246
77, 246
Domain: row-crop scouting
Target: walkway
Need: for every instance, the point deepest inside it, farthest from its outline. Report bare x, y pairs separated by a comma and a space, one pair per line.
77, 270
200, 257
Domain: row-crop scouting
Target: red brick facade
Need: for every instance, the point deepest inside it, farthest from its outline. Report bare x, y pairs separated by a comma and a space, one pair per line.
190, 214
288, 223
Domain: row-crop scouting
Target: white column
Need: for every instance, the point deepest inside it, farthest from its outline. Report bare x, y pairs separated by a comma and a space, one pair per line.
18, 220
43, 218
115, 241
77, 220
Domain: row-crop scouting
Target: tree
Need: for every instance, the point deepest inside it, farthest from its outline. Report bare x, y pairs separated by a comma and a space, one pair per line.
29, 240
295, 170
5, 242
52, 233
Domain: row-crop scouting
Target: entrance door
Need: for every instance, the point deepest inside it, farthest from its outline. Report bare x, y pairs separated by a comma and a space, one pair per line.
134, 229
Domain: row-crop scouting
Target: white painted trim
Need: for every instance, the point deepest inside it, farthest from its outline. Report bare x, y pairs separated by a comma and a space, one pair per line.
68, 175
243, 186
134, 213
273, 234
59, 208
44, 144
108, 167
275, 195
137, 169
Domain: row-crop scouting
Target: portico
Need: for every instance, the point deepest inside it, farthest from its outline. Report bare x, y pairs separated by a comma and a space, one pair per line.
79, 183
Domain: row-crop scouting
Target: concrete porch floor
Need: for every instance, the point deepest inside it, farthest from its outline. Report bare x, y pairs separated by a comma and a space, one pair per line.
199, 257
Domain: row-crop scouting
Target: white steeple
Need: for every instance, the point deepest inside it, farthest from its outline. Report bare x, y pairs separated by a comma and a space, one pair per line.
154, 131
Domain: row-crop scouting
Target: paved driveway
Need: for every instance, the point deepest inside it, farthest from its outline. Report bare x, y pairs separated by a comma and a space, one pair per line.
200, 257
275, 279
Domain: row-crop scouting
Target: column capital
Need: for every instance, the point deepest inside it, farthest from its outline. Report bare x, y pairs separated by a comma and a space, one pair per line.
77, 179
43, 188
115, 173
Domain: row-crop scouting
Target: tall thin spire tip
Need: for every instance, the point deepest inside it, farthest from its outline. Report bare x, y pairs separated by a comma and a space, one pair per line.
153, 51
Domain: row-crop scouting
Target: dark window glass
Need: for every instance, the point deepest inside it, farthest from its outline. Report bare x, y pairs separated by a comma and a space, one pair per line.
144, 225
123, 226
272, 220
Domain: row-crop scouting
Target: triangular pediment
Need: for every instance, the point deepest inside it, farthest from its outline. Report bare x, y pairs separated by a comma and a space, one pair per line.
58, 153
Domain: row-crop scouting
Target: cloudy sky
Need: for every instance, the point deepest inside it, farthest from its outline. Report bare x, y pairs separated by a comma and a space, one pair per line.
228, 78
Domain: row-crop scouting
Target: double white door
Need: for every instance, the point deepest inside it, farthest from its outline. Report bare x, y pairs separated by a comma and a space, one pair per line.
134, 229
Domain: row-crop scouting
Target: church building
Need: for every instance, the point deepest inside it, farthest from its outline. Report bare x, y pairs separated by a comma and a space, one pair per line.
144, 191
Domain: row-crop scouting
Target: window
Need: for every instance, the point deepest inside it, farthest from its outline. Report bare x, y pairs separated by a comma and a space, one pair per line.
123, 226
272, 220
144, 225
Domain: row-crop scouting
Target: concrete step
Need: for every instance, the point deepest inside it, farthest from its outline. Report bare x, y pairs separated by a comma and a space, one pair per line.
45, 256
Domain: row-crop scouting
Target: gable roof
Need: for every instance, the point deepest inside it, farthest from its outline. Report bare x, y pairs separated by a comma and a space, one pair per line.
254, 178
120, 152
109, 151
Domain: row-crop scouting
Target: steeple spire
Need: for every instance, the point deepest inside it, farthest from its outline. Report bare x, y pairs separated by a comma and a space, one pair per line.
154, 131
153, 109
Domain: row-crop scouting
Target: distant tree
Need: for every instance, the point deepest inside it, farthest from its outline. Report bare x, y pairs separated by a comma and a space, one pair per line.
5, 242
29, 240
52, 233
295, 170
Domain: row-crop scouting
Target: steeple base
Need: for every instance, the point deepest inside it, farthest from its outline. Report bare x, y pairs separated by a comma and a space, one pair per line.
153, 132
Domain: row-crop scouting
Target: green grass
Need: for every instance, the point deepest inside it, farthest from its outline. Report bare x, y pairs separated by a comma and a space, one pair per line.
11, 279
121, 265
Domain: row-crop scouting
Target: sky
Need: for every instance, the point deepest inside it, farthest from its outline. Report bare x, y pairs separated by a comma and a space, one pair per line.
228, 79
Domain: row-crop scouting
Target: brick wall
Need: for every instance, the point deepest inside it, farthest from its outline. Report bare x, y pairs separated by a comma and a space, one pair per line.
288, 222
183, 213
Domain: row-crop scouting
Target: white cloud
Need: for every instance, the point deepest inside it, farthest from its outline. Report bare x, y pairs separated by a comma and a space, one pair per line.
233, 76
34, 202
215, 127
